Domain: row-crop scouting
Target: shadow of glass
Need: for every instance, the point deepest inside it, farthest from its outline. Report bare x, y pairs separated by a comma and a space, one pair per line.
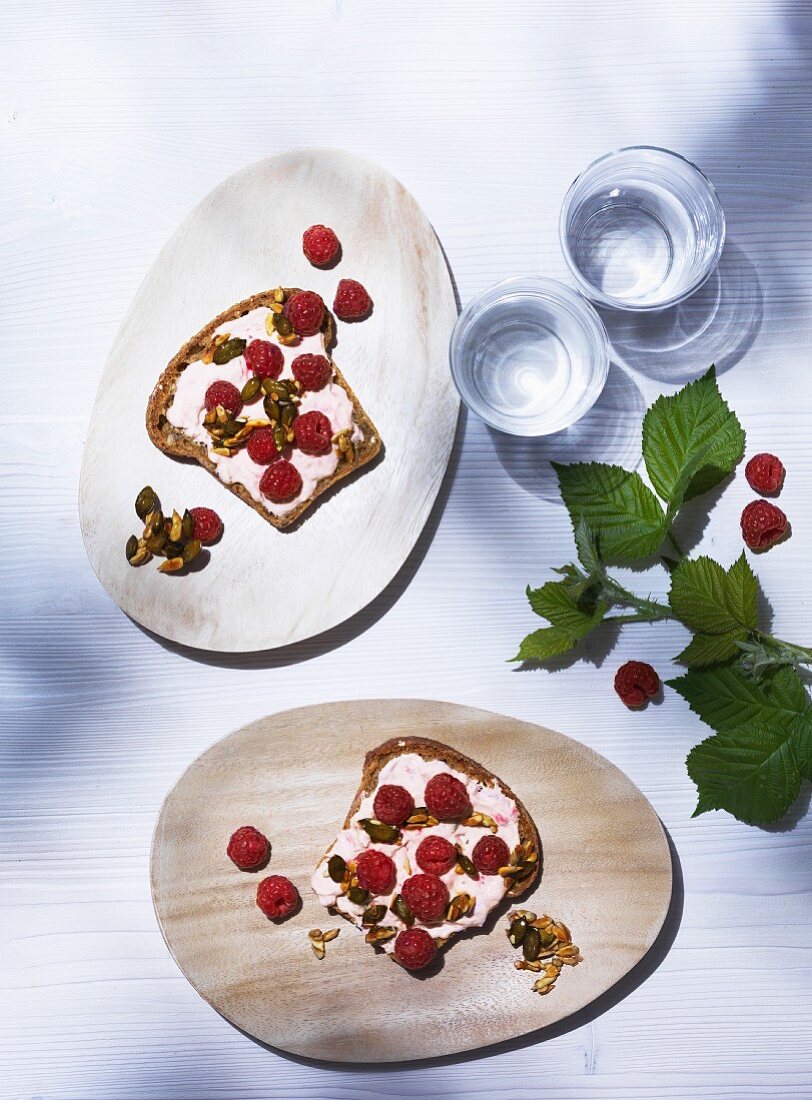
609, 432
717, 325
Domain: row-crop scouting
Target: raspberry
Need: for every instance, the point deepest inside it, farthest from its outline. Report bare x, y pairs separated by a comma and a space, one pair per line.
635, 682
414, 948
426, 896
435, 855
313, 372
208, 525
352, 302
277, 897
320, 245
305, 311
313, 433
281, 482
248, 848
446, 798
763, 524
223, 393
764, 473
375, 871
392, 804
489, 854
261, 446
264, 358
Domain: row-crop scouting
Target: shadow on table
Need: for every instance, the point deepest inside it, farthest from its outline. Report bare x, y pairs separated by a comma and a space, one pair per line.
622, 989
358, 623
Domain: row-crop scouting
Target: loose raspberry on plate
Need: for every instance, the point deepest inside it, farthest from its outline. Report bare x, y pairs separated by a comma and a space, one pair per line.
427, 897
446, 798
435, 855
313, 433
489, 854
635, 682
392, 804
248, 848
208, 525
352, 303
261, 446
223, 393
320, 245
281, 482
763, 524
764, 473
375, 871
305, 311
414, 948
277, 897
264, 358
312, 372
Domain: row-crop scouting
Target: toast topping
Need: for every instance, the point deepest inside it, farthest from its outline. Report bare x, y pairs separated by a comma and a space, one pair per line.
189, 408
472, 897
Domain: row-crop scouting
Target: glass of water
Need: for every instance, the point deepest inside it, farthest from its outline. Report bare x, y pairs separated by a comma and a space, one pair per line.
641, 229
529, 356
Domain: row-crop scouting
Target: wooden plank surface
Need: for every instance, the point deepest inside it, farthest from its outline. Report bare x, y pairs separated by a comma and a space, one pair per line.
117, 119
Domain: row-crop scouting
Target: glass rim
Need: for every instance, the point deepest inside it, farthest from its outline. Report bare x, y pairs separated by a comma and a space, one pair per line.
589, 289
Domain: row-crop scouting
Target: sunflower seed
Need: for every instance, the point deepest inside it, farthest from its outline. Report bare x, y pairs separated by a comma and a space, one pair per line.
330, 934
317, 947
171, 565
543, 985
523, 964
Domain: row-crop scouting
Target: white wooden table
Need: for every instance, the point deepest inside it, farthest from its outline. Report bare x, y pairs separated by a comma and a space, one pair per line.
116, 118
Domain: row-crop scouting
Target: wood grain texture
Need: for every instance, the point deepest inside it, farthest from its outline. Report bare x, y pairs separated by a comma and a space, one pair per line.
606, 874
116, 120
262, 588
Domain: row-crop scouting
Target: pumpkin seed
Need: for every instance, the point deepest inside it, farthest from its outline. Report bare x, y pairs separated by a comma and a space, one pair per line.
173, 549
131, 547
380, 933
465, 865
228, 350
156, 543
279, 294
358, 896
190, 551
171, 565
251, 389
282, 325
373, 915
280, 438
517, 931
531, 944
379, 832
288, 415
146, 502
546, 937
188, 525
402, 911
336, 868
272, 410
153, 523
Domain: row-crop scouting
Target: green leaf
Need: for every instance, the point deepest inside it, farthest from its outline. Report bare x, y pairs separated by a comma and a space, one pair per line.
625, 516
691, 440
709, 649
711, 600
754, 775
728, 701
550, 641
587, 546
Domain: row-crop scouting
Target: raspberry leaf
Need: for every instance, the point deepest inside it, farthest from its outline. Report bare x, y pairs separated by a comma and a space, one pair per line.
587, 546
754, 775
709, 649
620, 509
691, 441
550, 641
730, 702
554, 602
712, 600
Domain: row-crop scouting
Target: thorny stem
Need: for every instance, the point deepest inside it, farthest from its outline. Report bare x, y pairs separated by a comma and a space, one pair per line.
798, 653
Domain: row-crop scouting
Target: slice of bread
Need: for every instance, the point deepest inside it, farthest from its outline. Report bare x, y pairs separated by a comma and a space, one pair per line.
430, 750
174, 441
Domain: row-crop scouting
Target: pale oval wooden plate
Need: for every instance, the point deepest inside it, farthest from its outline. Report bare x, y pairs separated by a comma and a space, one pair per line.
607, 875
264, 588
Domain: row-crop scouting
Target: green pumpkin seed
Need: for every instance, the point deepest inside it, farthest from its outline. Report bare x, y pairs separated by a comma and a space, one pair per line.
517, 931
379, 832
156, 543
358, 896
231, 427
465, 863
146, 502
251, 389
272, 410
373, 915
188, 526
131, 547
229, 350
547, 937
336, 868
402, 911
155, 522
289, 414
531, 944
172, 549
190, 551
282, 324
280, 438
380, 934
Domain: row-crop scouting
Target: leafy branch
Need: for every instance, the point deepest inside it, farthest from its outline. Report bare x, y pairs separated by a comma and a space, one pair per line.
741, 681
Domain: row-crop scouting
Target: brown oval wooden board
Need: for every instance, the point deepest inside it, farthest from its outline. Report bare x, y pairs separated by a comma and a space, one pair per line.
246, 236
606, 874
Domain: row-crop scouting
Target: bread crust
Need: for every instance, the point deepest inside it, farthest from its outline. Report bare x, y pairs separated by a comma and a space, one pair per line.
430, 749
174, 442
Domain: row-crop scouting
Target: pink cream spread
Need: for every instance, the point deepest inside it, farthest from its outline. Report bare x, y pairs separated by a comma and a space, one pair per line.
413, 772
188, 409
